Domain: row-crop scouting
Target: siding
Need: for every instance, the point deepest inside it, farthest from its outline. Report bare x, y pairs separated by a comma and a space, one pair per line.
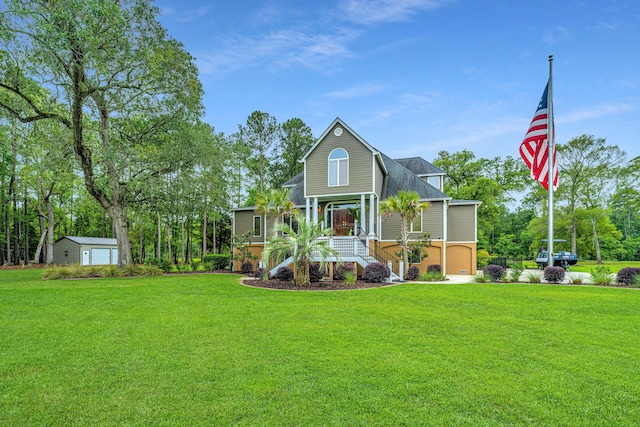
431, 223
461, 223
317, 166
244, 222
379, 179
73, 252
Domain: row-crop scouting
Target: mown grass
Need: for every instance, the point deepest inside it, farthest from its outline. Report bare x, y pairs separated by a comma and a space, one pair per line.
204, 350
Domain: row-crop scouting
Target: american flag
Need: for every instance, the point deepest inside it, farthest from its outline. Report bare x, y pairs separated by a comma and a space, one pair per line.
534, 150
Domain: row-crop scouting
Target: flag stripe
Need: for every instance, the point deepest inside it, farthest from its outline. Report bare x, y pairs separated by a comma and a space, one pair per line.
534, 149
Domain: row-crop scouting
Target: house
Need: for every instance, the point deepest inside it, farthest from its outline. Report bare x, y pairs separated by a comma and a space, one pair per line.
85, 250
343, 183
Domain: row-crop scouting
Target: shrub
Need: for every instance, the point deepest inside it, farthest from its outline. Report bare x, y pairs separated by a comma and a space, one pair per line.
516, 271
434, 268
214, 262
164, 264
315, 273
430, 276
482, 258
601, 275
349, 277
246, 267
494, 272
130, 270
534, 278
413, 273
339, 273
376, 273
628, 275
481, 278
262, 273
575, 279
554, 274
284, 274
150, 270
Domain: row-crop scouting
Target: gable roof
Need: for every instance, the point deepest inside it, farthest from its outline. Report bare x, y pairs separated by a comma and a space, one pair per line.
339, 121
420, 166
294, 181
106, 241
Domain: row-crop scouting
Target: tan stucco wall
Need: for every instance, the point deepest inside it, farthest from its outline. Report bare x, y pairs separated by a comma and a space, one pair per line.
461, 257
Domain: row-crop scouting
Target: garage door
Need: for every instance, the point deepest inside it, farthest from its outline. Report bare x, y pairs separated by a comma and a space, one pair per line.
100, 256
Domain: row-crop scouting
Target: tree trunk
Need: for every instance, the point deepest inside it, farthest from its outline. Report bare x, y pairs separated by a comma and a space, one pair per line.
182, 251
26, 229
140, 257
118, 215
204, 235
215, 234
596, 241
50, 226
159, 238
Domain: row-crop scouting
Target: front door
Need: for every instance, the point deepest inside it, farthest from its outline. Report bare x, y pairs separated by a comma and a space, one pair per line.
342, 223
85, 257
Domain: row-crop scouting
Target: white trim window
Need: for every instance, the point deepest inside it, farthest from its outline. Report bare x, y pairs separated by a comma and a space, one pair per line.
257, 226
338, 168
416, 224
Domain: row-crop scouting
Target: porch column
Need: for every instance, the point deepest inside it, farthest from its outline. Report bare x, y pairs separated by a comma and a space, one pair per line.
371, 217
308, 210
363, 216
315, 210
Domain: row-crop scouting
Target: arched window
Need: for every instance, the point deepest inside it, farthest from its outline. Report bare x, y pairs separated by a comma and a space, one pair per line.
338, 167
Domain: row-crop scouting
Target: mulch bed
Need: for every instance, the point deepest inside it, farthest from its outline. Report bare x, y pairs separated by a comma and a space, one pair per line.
316, 286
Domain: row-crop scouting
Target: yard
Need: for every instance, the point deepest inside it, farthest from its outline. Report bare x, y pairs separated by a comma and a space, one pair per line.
204, 350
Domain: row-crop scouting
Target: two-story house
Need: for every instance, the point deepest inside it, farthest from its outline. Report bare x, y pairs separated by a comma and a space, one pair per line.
343, 183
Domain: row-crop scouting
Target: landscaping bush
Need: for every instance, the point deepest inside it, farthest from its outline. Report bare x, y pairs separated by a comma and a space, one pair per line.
315, 273
516, 271
430, 276
163, 264
339, 273
413, 273
554, 274
246, 267
628, 275
261, 274
376, 273
494, 272
482, 258
534, 277
284, 274
214, 262
434, 268
601, 275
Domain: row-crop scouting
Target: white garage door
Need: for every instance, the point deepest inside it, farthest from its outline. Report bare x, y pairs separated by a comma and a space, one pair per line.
100, 256
114, 256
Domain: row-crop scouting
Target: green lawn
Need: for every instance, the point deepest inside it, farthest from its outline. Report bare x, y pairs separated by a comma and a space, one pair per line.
614, 266
203, 350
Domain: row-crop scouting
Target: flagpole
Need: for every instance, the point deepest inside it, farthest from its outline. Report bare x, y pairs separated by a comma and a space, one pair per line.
550, 165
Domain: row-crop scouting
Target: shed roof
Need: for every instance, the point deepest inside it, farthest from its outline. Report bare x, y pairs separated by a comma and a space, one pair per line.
105, 241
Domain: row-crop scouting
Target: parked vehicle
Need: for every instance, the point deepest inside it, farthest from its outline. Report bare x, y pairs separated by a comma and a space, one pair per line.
562, 259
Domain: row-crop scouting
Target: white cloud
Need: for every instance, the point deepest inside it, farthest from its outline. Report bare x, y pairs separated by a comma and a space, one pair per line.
374, 11
595, 112
276, 50
358, 91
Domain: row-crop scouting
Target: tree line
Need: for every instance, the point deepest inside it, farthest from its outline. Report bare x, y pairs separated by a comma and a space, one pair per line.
102, 134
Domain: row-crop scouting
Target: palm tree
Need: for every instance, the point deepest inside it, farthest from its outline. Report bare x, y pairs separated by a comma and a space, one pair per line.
407, 204
276, 203
301, 245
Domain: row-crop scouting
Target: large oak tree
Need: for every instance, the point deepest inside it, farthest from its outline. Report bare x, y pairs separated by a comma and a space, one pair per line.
127, 92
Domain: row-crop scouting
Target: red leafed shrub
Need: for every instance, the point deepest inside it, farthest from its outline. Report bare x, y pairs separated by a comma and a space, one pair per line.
554, 274
376, 273
628, 275
494, 272
413, 273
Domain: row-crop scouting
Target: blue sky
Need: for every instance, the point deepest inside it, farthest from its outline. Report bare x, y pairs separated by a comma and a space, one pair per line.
414, 77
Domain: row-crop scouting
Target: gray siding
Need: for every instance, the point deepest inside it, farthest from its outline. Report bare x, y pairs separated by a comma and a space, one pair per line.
360, 164
72, 249
461, 223
431, 223
379, 179
244, 222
